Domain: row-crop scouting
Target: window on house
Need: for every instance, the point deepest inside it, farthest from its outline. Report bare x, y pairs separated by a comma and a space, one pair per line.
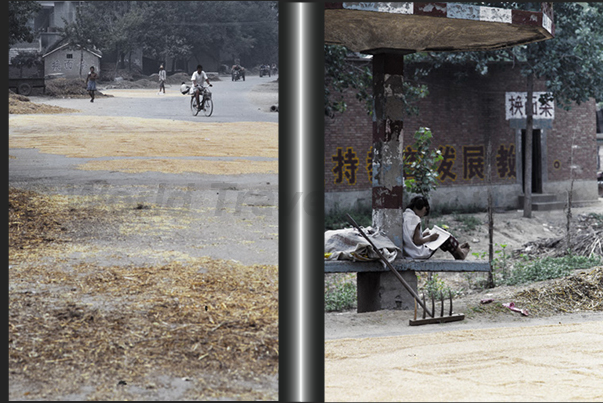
69, 55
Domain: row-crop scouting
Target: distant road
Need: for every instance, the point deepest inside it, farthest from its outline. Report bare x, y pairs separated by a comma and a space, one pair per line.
234, 101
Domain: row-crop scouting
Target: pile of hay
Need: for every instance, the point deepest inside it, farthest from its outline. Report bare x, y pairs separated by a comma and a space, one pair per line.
19, 104
580, 292
68, 88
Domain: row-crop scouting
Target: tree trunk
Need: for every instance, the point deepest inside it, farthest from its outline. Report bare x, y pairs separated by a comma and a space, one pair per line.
82, 61
527, 179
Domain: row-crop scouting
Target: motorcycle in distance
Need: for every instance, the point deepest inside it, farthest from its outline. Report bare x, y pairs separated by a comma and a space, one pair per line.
237, 72
264, 70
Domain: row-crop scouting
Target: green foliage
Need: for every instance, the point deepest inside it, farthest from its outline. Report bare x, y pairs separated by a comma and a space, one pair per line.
500, 263
597, 217
435, 287
549, 268
241, 29
337, 219
19, 13
469, 222
342, 75
422, 166
570, 63
340, 297
27, 59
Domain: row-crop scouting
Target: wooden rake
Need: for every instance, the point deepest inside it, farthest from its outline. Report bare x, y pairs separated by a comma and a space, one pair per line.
426, 311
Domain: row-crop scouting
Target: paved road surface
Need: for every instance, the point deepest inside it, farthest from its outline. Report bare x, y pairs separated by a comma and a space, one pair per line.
233, 102
241, 216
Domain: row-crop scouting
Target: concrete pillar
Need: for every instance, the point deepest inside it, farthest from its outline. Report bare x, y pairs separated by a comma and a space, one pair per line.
383, 290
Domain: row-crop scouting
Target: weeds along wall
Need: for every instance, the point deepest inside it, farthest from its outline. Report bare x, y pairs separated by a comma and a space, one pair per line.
464, 109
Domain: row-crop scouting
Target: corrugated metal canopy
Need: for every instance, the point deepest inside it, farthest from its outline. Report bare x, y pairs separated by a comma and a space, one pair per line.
414, 27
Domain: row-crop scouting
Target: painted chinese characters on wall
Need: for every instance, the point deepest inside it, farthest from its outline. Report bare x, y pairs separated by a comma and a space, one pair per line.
467, 164
345, 165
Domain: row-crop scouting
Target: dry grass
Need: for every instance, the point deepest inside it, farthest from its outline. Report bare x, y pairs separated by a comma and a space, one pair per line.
582, 291
155, 140
19, 104
91, 326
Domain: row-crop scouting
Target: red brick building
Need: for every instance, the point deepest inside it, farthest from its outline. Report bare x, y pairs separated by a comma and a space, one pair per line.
463, 109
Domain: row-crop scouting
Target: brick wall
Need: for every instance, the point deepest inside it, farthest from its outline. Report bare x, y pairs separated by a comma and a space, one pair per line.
462, 109
348, 142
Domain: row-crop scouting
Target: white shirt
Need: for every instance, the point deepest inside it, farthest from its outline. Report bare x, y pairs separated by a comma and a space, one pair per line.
199, 78
411, 220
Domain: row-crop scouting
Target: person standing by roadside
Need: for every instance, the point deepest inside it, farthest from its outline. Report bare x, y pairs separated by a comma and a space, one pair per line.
91, 83
162, 78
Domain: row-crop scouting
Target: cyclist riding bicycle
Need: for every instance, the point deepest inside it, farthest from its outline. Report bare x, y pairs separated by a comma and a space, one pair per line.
199, 78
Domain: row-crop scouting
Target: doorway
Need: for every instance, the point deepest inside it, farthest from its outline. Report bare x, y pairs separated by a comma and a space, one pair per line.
536, 160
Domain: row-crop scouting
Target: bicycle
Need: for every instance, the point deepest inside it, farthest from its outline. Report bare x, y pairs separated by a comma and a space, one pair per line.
207, 102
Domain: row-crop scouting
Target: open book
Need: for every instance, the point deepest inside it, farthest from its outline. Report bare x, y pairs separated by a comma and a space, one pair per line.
444, 235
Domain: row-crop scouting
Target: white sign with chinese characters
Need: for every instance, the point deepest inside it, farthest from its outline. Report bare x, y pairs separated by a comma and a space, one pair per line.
515, 104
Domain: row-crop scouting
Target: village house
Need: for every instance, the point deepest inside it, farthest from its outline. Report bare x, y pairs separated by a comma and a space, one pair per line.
70, 61
463, 111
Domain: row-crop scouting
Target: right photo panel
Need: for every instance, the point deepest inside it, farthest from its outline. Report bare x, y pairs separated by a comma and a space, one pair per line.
463, 201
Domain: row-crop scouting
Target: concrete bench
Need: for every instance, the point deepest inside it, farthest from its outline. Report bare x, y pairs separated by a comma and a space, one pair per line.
433, 265
378, 288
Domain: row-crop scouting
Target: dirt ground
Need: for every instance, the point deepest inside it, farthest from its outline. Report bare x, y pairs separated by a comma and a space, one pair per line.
115, 289
494, 354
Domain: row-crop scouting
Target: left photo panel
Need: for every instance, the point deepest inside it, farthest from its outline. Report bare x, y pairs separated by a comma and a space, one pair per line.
143, 190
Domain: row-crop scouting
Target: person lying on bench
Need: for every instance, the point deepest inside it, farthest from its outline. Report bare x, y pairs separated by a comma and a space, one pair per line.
423, 244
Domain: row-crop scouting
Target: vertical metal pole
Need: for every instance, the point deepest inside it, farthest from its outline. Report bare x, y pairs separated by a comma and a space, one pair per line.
301, 202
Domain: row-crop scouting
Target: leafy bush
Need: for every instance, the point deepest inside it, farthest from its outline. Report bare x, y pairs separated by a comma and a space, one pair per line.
341, 297
469, 222
549, 268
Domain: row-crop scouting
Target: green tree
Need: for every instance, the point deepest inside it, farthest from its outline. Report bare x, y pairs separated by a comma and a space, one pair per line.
341, 75
19, 13
180, 29
570, 63
111, 26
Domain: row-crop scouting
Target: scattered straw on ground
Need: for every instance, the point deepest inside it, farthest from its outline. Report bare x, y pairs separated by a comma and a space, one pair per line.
100, 137
208, 321
111, 136
182, 166
19, 104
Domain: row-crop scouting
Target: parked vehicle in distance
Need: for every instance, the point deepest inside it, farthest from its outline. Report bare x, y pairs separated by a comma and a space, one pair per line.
265, 70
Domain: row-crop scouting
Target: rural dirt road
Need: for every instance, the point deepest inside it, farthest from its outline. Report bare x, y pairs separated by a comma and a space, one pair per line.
143, 247
494, 354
